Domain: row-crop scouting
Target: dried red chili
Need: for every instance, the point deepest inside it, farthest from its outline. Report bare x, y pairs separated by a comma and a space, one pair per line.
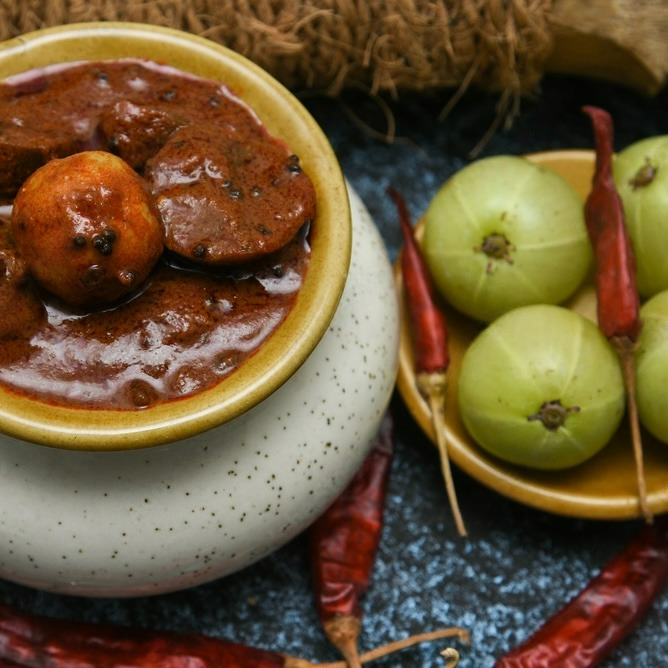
427, 322
30, 641
597, 619
618, 302
35, 642
343, 544
430, 342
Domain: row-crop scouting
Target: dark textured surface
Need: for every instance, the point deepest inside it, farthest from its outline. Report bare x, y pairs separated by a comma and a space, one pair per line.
519, 564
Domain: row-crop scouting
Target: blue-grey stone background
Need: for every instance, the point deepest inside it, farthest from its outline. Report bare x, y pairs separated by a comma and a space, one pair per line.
519, 564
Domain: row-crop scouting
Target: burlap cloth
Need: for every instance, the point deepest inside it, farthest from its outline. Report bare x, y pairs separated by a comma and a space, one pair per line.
388, 45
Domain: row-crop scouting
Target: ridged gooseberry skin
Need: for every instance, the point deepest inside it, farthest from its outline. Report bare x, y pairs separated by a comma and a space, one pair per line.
641, 177
536, 355
652, 366
537, 211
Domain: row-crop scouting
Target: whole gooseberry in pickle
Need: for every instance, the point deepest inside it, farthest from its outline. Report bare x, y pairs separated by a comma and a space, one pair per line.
641, 177
652, 366
541, 387
504, 232
21, 311
87, 228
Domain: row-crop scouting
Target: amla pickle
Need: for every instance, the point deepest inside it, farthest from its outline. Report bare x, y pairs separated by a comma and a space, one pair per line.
87, 228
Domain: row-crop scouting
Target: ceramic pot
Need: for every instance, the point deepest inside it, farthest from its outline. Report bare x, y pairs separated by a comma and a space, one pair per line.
128, 503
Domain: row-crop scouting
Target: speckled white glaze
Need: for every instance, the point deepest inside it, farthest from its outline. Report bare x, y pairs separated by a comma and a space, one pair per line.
155, 520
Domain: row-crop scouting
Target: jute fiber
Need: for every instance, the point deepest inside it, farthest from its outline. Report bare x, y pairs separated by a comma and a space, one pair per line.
384, 46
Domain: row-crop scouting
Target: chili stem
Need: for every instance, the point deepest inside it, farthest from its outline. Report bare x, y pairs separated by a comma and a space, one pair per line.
343, 633
351, 655
625, 350
411, 641
434, 390
396, 646
452, 655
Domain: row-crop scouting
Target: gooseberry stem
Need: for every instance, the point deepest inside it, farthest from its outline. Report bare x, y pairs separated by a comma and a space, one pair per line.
496, 247
553, 414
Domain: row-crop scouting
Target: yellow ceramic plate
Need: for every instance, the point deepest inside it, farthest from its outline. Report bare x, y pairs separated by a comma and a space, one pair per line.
602, 488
